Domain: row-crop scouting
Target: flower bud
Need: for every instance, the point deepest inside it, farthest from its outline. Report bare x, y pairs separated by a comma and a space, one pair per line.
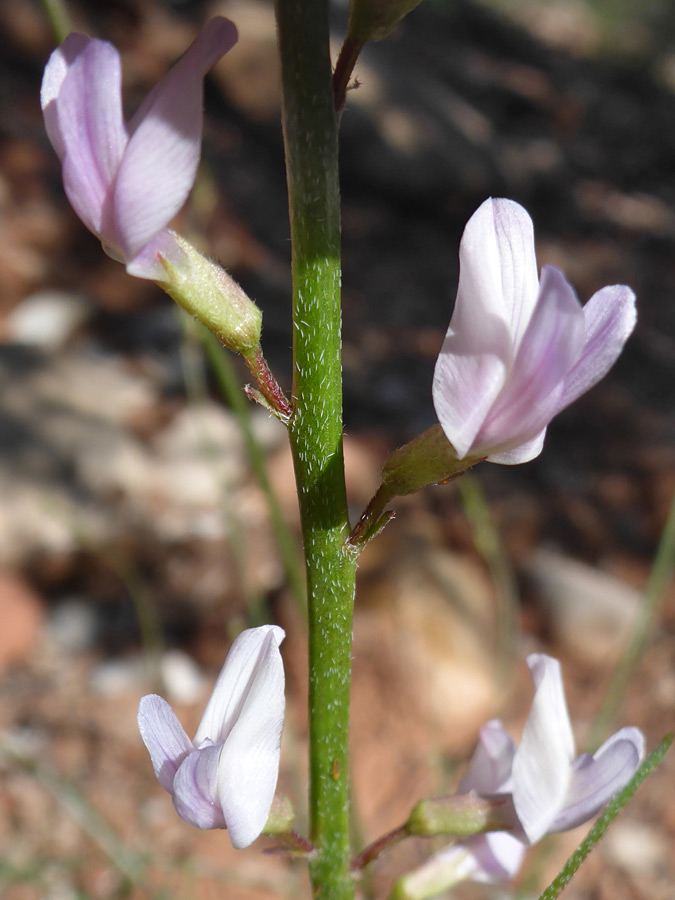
205, 290
372, 20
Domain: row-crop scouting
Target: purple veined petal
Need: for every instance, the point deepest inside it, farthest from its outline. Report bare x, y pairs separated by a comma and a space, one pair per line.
542, 766
195, 788
486, 858
52, 80
498, 271
597, 778
254, 649
496, 296
164, 737
521, 454
497, 856
93, 134
550, 347
466, 381
160, 163
490, 767
147, 263
609, 318
520, 283
249, 764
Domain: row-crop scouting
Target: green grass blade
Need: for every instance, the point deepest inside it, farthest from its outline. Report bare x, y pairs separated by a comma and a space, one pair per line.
662, 572
605, 820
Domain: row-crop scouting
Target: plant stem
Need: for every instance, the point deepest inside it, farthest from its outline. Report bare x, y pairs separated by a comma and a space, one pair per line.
267, 383
59, 20
196, 389
372, 851
315, 429
661, 573
343, 69
230, 385
488, 542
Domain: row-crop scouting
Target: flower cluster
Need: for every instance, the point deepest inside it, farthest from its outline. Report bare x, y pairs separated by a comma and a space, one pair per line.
518, 350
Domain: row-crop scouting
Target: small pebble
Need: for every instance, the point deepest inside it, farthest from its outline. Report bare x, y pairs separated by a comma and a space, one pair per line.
47, 319
72, 625
638, 848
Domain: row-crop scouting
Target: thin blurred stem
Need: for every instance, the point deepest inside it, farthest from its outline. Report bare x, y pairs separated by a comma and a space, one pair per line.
144, 600
661, 574
194, 376
231, 388
129, 862
59, 20
147, 614
488, 543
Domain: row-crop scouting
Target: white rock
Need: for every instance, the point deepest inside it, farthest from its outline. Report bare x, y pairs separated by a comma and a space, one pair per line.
591, 612
117, 676
184, 681
637, 848
47, 318
72, 625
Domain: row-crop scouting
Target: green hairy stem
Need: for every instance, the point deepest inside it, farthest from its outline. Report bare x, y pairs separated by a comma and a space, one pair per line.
315, 426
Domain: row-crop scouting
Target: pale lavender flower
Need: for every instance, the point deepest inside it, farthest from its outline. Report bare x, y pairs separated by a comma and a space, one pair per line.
518, 350
126, 181
548, 789
227, 776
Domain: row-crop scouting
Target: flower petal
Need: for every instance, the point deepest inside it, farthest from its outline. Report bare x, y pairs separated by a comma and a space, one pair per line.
486, 858
249, 764
249, 652
490, 767
91, 132
147, 263
609, 318
550, 347
466, 381
496, 295
497, 856
164, 737
160, 163
522, 453
542, 766
195, 788
597, 778
518, 264
52, 80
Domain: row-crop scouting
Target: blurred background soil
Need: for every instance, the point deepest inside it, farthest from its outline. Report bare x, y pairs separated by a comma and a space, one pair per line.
134, 540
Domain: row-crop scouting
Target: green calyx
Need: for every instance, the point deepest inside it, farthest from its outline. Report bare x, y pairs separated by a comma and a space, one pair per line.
205, 290
428, 459
462, 815
372, 20
281, 816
